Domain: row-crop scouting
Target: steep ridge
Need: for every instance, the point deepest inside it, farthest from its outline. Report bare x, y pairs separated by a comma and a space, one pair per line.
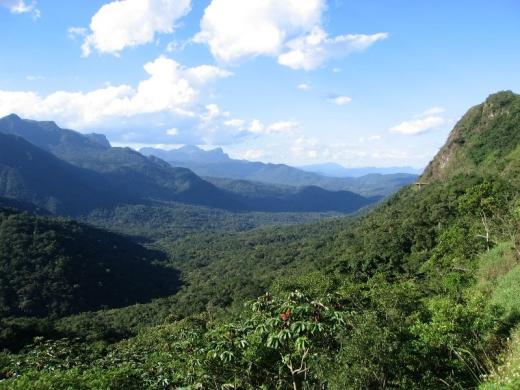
30, 174
125, 169
486, 141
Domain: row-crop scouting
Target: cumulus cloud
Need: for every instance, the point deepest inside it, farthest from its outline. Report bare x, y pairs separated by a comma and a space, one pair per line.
303, 87
421, 123
290, 30
340, 100
281, 127
21, 7
128, 23
170, 88
236, 29
312, 50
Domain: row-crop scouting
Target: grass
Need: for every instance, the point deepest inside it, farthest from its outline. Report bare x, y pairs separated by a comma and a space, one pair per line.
507, 374
499, 275
494, 265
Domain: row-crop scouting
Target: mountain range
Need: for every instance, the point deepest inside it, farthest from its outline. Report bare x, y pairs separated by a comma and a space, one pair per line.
337, 170
217, 164
70, 173
422, 289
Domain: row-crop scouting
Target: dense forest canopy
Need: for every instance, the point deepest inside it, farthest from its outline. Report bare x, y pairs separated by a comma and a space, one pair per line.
419, 293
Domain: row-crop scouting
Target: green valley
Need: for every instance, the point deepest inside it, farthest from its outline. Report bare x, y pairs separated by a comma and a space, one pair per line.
418, 292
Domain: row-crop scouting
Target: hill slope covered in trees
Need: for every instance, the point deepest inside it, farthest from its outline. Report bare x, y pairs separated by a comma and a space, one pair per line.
72, 174
421, 292
54, 267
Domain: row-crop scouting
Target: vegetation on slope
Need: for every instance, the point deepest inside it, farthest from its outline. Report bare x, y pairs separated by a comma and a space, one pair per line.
52, 267
100, 170
419, 293
30, 174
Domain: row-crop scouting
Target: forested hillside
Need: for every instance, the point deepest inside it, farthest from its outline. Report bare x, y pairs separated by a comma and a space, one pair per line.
54, 267
218, 166
30, 174
419, 293
72, 174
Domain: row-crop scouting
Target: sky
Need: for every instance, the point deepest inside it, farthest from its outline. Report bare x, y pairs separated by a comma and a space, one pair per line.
355, 82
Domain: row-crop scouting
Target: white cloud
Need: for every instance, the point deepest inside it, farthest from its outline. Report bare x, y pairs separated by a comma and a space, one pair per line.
75, 32
256, 126
312, 50
237, 123
169, 88
282, 127
303, 87
21, 7
252, 154
305, 147
172, 132
426, 121
236, 29
288, 29
285, 127
128, 23
340, 100
205, 73
432, 111
31, 77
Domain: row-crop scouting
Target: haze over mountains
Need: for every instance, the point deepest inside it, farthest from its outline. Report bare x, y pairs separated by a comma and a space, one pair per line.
69, 173
217, 164
337, 170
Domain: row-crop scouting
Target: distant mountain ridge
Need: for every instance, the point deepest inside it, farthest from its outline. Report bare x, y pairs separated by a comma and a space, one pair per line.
217, 164
189, 153
68, 173
337, 170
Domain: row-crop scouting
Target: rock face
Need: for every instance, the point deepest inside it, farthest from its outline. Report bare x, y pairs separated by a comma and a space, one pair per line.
99, 138
485, 140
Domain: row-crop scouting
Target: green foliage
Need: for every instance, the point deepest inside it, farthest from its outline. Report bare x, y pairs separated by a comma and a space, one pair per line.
420, 293
53, 267
458, 339
486, 140
171, 220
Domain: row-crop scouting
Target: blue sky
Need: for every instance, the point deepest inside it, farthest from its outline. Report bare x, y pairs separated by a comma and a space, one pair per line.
360, 83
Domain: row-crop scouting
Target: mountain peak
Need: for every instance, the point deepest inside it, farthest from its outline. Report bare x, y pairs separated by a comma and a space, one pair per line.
485, 140
12, 117
191, 153
101, 139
